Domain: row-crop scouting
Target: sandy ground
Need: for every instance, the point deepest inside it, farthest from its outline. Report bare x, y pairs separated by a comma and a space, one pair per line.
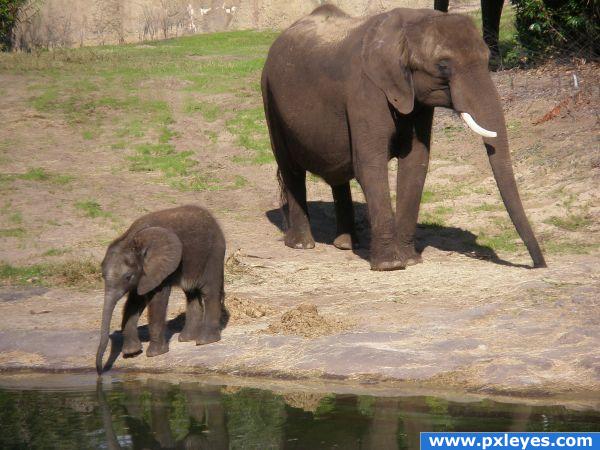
470, 317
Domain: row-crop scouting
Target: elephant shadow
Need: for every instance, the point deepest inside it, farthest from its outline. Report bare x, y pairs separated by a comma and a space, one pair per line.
445, 238
174, 326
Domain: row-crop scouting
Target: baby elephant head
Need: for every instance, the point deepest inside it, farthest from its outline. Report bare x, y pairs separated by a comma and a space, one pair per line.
137, 262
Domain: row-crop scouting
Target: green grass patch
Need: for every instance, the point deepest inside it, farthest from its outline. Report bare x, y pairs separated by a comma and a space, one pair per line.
487, 207
21, 274
239, 181
212, 136
568, 247
162, 158
12, 232
178, 167
450, 131
42, 175
16, 218
430, 220
166, 134
504, 241
56, 252
88, 135
209, 111
436, 217
76, 273
250, 128
134, 128
428, 196
316, 179
91, 209
573, 222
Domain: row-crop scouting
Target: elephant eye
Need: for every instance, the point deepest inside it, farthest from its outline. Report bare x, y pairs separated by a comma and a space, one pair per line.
129, 276
443, 67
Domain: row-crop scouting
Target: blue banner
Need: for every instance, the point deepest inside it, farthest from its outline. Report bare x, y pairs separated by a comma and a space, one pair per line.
510, 441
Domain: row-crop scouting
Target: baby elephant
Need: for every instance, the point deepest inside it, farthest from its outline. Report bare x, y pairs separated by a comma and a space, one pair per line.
181, 246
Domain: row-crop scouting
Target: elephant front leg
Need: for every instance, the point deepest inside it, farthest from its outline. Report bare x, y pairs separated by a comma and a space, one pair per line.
134, 306
412, 171
193, 317
344, 213
372, 173
157, 318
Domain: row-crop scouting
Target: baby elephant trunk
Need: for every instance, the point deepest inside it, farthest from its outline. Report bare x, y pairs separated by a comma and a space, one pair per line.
110, 300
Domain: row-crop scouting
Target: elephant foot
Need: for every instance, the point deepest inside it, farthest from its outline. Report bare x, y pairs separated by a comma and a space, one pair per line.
299, 240
384, 256
345, 242
208, 336
131, 350
156, 348
382, 266
410, 257
188, 335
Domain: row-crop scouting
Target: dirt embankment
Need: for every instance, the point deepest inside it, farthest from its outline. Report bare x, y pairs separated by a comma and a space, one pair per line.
74, 23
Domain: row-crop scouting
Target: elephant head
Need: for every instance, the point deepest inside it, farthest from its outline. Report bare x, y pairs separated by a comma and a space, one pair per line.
439, 59
136, 262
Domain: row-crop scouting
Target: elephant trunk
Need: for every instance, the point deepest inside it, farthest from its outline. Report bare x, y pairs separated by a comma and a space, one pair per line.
476, 95
110, 301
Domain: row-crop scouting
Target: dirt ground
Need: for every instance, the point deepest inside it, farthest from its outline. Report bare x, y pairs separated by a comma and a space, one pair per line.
472, 316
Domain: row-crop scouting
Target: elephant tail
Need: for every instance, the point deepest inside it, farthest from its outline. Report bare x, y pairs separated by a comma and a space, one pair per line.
283, 200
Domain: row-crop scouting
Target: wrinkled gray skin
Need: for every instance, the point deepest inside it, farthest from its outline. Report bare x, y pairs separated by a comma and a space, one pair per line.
182, 247
344, 95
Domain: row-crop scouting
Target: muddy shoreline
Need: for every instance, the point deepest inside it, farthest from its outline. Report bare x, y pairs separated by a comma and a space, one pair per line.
81, 380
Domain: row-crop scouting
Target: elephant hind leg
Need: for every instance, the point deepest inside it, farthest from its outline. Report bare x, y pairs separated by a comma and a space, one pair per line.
344, 213
213, 296
292, 179
298, 235
193, 317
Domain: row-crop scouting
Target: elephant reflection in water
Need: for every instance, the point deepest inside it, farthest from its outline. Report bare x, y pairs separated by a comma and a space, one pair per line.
204, 407
397, 422
341, 421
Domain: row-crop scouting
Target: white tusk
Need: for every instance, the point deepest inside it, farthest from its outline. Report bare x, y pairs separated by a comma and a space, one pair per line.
476, 128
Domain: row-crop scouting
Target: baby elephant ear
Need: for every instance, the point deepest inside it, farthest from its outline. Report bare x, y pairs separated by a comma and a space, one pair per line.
385, 62
161, 252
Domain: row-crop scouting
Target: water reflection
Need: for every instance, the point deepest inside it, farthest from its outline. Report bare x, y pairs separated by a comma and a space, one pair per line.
160, 415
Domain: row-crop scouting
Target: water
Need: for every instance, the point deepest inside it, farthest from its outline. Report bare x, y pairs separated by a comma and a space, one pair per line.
190, 415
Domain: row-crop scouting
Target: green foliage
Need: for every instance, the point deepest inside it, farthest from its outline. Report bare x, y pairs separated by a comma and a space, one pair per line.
9, 16
547, 27
508, 44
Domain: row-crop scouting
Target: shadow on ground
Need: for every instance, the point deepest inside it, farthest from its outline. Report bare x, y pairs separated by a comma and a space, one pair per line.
174, 326
448, 239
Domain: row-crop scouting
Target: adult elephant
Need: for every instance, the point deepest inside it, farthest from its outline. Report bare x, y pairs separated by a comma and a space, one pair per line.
344, 95
491, 11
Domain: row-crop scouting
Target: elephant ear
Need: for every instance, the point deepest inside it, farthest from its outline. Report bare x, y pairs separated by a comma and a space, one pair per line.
385, 62
160, 250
